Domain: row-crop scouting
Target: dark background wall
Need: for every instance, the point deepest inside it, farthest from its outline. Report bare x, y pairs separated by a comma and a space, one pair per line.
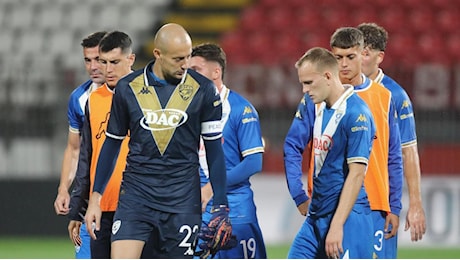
26, 208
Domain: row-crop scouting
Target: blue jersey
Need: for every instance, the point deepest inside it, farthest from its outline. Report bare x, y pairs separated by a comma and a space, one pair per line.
241, 137
404, 109
342, 134
165, 122
299, 135
76, 106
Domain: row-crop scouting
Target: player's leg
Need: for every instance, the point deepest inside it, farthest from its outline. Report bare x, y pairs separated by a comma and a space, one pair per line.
378, 220
357, 236
177, 233
250, 243
305, 244
130, 228
100, 248
127, 249
83, 251
391, 247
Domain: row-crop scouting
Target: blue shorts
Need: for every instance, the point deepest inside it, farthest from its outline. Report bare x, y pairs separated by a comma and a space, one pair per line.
171, 234
250, 243
356, 243
384, 248
83, 251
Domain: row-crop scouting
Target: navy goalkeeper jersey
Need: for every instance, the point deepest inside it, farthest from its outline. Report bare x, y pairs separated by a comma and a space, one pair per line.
165, 123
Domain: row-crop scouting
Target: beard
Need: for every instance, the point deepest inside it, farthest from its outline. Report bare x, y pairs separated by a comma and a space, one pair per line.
172, 80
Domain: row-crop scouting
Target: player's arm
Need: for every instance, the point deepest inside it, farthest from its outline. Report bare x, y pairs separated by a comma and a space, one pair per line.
415, 219
69, 166
70, 159
246, 124
250, 165
297, 138
351, 188
395, 175
217, 172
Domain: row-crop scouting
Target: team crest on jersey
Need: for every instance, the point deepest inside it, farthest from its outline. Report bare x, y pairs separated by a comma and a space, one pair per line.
116, 226
185, 91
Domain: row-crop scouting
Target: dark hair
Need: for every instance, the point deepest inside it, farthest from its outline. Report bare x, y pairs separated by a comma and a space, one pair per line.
93, 39
115, 39
375, 36
211, 52
347, 37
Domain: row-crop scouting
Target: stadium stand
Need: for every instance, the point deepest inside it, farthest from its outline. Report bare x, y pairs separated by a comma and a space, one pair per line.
40, 58
41, 63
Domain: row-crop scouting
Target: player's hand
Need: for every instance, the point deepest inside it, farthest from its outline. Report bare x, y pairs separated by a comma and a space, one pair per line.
303, 207
61, 204
415, 220
93, 215
206, 195
217, 235
333, 243
74, 232
391, 221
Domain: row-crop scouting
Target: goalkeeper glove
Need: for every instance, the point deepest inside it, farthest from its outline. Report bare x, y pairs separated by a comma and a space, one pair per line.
217, 235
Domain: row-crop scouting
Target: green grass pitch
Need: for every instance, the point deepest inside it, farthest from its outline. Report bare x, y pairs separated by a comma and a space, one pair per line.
61, 247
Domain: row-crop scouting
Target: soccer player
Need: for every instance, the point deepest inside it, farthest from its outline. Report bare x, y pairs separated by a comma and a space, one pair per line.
164, 108
243, 148
116, 59
339, 224
375, 41
75, 114
384, 179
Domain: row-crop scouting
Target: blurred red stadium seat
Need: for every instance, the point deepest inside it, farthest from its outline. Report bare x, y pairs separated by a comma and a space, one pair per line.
235, 46
289, 45
421, 20
443, 4
394, 20
448, 20
280, 19
308, 19
334, 18
252, 19
453, 47
402, 50
365, 14
432, 49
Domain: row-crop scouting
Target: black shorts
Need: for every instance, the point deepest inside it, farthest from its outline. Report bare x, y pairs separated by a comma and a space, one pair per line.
100, 248
170, 235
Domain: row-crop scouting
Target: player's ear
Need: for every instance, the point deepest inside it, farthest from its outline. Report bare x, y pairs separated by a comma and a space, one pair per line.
156, 53
380, 57
132, 58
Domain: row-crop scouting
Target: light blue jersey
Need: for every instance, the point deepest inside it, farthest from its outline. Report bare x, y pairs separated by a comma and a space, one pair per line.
76, 106
342, 134
241, 138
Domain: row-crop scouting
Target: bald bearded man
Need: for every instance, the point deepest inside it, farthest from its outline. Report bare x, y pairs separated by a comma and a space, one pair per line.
164, 108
